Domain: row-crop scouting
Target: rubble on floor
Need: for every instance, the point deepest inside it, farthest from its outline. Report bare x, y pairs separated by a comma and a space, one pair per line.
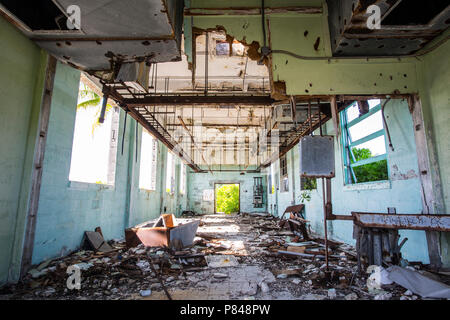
244, 256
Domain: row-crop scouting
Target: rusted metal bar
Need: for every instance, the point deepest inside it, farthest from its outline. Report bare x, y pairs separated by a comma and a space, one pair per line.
200, 99
193, 141
248, 11
139, 118
427, 222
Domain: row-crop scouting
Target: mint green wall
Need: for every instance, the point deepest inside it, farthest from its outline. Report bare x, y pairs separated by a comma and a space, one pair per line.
66, 208
426, 75
402, 191
22, 66
198, 182
307, 77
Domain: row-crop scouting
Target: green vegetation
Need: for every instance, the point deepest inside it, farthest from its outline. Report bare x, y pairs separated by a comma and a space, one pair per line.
87, 98
227, 198
309, 184
375, 171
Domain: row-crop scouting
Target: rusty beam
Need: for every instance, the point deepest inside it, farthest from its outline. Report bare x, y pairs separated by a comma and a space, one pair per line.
200, 100
427, 222
193, 141
140, 119
249, 11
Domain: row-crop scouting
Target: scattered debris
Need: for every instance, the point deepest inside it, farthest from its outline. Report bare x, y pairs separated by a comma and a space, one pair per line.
94, 240
221, 261
351, 296
332, 293
231, 257
418, 283
145, 293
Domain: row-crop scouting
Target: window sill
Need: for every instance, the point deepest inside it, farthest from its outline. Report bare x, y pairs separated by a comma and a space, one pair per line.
377, 185
142, 190
77, 185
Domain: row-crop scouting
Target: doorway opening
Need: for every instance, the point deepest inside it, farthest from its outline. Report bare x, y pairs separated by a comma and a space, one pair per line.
227, 198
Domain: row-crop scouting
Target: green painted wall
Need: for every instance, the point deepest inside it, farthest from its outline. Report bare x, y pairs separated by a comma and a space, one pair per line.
198, 182
306, 77
22, 66
426, 75
68, 208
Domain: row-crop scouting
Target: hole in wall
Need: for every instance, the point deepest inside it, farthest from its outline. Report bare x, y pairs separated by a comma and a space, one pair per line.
414, 12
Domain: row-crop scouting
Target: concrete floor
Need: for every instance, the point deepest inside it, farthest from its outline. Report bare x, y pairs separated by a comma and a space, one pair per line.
249, 268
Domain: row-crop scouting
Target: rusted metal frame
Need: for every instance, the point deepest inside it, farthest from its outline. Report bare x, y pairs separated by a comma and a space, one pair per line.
427, 222
312, 125
139, 118
36, 37
193, 141
200, 99
38, 162
247, 11
217, 125
290, 145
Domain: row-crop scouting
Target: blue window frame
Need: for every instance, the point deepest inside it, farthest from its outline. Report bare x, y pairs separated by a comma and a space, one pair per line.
364, 144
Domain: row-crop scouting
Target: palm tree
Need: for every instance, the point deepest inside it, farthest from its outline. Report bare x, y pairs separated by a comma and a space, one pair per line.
90, 99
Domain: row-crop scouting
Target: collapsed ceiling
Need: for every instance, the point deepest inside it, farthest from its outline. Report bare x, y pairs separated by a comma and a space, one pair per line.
214, 105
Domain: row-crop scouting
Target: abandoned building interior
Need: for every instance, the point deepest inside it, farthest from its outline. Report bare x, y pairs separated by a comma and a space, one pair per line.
193, 149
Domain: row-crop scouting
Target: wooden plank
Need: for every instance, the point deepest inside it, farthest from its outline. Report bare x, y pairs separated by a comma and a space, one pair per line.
38, 165
428, 192
296, 249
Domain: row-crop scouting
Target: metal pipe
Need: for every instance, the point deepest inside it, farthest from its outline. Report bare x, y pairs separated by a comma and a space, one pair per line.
362, 57
101, 119
385, 124
124, 129
325, 224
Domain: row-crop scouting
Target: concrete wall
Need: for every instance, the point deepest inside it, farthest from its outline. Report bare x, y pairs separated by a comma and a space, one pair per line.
198, 182
22, 66
402, 191
68, 208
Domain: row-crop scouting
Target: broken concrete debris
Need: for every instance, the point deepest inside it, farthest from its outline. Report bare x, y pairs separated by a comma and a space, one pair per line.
243, 264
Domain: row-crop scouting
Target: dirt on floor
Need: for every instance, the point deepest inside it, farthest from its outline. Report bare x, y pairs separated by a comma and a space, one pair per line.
233, 257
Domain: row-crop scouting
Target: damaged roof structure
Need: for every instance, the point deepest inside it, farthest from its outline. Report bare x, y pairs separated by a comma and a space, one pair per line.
271, 149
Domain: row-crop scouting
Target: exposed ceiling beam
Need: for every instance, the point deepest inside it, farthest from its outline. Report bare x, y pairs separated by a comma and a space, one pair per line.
200, 100
248, 11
